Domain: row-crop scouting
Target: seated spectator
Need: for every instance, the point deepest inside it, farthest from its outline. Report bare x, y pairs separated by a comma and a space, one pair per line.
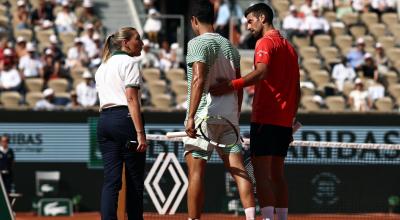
358, 98
369, 68
65, 19
147, 58
167, 57
343, 7
10, 79
375, 91
148, 4
315, 24
49, 101
324, 5
77, 55
55, 49
8, 56
305, 9
382, 6
152, 26
20, 47
341, 73
360, 5
95, 59
382, 61
51, 67
86, 91
292, 23
356, 55
87, 40
89, 16
22, 16
30, 65
228, 10
43, 12
73, 104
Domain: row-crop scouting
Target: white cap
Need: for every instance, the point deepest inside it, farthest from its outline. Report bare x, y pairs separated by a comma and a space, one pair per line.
77, 40
367, 56
47, 24
87, 75
174, 46
147, 2
358, 81
89, 26
30, 47
20, 39
48, 92
146, 42
152, 11
314, 8
48, 51
53, 39
20, 3
96, 36
65, 3
87, 4
360, 40
7, 52
378, 45
293, 8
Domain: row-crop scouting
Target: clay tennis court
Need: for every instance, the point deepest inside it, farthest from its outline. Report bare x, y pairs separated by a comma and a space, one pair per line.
151, 216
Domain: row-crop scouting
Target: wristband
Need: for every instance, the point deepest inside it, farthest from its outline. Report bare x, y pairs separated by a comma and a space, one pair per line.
237, 83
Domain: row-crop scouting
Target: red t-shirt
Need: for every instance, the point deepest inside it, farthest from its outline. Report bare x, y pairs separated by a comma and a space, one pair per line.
275, 97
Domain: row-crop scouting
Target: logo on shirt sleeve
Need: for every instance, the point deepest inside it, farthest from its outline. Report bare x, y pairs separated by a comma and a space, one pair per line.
262, 52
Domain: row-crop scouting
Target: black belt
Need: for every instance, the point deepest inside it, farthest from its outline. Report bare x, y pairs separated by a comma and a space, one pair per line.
114, 108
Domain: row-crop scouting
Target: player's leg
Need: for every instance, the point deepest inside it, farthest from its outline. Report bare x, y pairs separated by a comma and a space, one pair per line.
261, 160
233, 161
281, 187
195, 195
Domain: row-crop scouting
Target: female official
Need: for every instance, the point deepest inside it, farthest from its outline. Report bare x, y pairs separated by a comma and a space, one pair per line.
120, 130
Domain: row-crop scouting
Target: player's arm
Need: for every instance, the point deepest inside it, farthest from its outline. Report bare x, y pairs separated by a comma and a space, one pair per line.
239, 92
197, 87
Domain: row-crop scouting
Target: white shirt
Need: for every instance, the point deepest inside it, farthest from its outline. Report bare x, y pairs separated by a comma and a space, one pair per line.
66, 20
10, 78
359, 100
152, 25
44, 105
341, 73
323, 4
376, 91
292, 22
114, 75
90, 45
87, 94
30, 66
316, 23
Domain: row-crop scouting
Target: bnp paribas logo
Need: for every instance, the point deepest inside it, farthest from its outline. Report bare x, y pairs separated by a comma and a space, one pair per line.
166, 162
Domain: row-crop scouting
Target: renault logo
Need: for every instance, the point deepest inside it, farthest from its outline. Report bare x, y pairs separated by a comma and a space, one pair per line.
163, 162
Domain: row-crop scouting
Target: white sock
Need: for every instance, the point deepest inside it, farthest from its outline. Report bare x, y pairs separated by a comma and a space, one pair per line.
250, 213
267, 213
281, 213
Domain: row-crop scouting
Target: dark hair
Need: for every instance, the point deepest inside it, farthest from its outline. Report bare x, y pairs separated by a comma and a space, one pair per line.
203, 10
261, 9
6, 137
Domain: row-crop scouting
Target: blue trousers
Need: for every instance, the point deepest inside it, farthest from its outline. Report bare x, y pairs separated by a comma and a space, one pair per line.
115, 128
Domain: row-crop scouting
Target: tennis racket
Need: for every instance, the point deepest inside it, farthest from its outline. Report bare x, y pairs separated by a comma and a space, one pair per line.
212, 129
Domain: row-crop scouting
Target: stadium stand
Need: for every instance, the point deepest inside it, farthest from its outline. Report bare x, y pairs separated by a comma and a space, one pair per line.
317, 54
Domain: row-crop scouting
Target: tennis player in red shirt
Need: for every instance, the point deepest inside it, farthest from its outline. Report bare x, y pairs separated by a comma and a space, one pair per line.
277, 93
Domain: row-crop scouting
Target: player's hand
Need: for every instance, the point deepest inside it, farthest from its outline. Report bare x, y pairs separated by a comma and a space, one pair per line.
142, 144
190, 128
221, 88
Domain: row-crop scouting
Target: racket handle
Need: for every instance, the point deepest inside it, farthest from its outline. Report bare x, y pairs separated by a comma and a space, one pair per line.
176, 134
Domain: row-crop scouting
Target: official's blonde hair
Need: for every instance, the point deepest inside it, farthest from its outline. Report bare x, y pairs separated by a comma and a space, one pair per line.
114, 41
